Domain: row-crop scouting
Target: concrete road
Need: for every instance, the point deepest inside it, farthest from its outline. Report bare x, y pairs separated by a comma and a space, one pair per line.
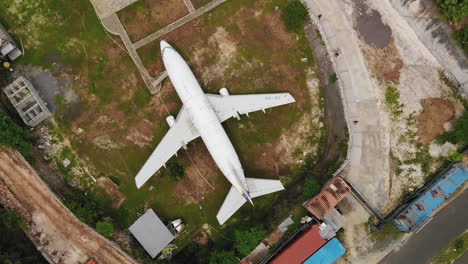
446, 225
368, 155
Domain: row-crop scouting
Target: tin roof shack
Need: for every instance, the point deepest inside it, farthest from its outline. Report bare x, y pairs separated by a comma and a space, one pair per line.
8, 47
27, 102
306, 245
328, 254
328, 198
151, 232
418, 212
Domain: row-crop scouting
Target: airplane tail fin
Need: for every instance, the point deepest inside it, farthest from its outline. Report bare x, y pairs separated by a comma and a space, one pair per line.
234, 200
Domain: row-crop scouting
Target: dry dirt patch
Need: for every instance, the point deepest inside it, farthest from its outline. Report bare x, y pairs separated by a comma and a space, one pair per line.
112, 190
148, 16
384, 63
431, 121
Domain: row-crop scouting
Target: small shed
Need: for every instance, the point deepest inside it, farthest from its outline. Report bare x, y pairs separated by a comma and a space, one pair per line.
8, 47
151, 233
328, 254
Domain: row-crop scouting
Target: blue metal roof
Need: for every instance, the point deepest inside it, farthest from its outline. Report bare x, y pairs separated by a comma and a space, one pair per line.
417, 214
328, 254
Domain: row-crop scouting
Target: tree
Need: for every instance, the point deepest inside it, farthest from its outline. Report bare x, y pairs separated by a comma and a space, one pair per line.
295, 15
176, 169
458, 134
14, 136
461, 36
223, 257
453, 9
105, 228
83, 207
247, 240
311, 188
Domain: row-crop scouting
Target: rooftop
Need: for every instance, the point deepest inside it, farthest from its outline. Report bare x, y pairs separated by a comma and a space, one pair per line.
328, 198
151, 232
302, 248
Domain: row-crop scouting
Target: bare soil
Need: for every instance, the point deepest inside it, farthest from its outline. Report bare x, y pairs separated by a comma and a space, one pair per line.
384, 63
150, 16
112, 190
62, 235
274, 237
431, 121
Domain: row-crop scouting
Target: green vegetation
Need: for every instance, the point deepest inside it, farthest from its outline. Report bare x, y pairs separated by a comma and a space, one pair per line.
311, 188
115, 180
176, 169
15, 247
387, 231
458, 135
247, 240
333, 78
224, 257
83, 207
105, 228
14, 136
392, 98
453, 9
295, 15
461, 36
454, 156
454, 250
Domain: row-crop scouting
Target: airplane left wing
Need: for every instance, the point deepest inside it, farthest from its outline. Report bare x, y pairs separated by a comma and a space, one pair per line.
227, 106
179, 134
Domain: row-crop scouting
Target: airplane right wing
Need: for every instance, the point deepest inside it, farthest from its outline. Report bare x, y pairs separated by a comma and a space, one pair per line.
227, 106
179, 134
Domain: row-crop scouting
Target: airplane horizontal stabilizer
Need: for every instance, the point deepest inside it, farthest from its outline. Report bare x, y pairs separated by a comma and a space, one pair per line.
234, 200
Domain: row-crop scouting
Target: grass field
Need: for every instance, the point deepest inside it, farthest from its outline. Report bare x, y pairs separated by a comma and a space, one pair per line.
241, 45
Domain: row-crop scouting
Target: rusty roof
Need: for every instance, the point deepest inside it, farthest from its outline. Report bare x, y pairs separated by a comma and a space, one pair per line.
336, 190
301, 249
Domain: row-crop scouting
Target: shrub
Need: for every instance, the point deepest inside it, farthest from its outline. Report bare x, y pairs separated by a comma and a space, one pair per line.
115, 180
83, 207
453, 9
458, 134
105, 228
311, 188
461, 36
295, 15
247, 240
333, 78
176, 169
14, 136
224, 257
454, 156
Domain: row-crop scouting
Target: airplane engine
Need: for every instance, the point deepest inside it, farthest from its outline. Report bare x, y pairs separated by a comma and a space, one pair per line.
223, 91
170, 120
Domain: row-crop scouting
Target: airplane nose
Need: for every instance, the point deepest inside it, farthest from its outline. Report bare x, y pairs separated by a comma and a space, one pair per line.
164, 45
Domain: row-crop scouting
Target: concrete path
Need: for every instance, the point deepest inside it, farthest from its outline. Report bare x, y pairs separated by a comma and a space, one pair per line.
446, 225
105, 8
368, 152
113, 25
189, 5
180, 22
435, 34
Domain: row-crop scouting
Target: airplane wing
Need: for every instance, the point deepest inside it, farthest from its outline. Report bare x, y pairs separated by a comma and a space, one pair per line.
227, 106
259, 187
234, 200
179, 134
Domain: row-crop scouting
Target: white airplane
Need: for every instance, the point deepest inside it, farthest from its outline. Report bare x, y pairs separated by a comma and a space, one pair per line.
201, 116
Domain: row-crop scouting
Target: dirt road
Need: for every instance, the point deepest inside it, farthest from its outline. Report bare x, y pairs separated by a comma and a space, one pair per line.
63, 236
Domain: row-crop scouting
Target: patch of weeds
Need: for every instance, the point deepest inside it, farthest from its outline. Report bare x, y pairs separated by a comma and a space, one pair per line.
392, 99
446, 80
453, 156
386, 231
423, 158
454, 250
333, 78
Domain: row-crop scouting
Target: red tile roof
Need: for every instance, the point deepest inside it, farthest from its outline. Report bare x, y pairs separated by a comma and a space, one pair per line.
328, 198
91, 262
302, 248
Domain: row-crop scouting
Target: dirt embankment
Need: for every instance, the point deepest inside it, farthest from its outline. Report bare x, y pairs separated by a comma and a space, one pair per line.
432, 119
62, 235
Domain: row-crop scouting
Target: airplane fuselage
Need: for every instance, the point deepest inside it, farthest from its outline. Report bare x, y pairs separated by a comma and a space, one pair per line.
204, 118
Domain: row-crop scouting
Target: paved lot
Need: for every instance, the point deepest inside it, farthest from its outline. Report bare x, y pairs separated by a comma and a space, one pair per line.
446, 225
369, 142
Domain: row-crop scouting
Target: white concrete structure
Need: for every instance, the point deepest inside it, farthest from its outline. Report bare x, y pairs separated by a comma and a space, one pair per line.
201, 116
